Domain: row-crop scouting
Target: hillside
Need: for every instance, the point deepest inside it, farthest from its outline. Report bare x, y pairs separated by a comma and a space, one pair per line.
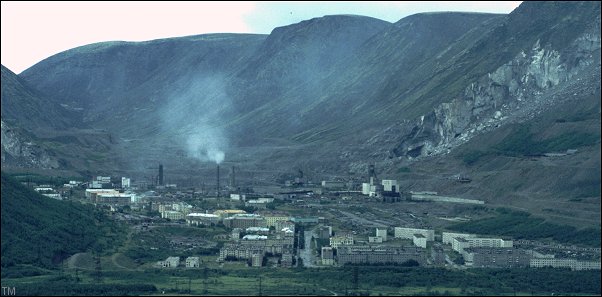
440, 93
41, 231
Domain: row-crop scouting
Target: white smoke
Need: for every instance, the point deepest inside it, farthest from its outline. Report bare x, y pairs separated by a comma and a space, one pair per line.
206, 144
195, 112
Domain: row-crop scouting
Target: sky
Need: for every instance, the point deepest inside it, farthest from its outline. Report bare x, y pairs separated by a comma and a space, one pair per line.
33, 31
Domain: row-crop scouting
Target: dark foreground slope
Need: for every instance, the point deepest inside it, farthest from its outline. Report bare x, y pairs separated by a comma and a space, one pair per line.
41, 231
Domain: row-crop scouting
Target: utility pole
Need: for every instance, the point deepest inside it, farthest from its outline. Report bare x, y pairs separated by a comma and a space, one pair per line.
355, 277
260, 293
205, 281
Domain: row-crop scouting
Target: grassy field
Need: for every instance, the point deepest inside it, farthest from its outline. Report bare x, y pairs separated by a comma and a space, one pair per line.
330, 281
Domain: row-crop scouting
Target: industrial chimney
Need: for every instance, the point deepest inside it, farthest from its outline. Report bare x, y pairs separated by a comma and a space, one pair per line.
218, 181
160, 174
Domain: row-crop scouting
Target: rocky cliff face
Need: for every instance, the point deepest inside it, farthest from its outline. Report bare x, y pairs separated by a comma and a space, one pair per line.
19, 150
504, 95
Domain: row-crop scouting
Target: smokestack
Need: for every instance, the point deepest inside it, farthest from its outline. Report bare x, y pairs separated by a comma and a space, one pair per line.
160, 174
233, 178
218, 181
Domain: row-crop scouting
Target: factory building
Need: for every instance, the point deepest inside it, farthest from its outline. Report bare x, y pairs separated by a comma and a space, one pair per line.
91, 193
202, 219
382, 233
379, 254
101, 182
193, 262
497, 257
333, 184
366, 188
327, 255
375, 239
390, 185
408, 233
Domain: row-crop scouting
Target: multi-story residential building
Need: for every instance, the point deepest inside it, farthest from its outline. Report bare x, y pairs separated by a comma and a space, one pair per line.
205, 219
225, 213
343, 239
286, 260
172, 215
565, 263
382, 233
282, 225
257, 260
408, 233
497, 257
447, 237
459, 243
379, 254
272, 219
244, 221
419, 240
327, 255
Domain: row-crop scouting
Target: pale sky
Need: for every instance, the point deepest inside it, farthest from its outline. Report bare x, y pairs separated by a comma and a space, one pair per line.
33, 31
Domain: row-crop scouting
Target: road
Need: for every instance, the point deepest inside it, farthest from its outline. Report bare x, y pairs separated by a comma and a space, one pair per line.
306, 253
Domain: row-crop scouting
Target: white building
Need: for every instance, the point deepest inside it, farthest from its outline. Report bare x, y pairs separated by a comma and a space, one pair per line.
238, 197
565, 263
206, 219
193, 262
390, 185
408, 233
459, 243
170, 262
382, 233
125, 182
257, 260
333, 184
375, 239
447, 237
327, 255
172, 215
365, 188
345, 239
419, 240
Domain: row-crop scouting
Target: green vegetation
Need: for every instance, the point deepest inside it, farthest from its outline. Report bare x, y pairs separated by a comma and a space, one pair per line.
522, 225
472, 157
522, 142
385, 280
41, 231
40, 179
403, 170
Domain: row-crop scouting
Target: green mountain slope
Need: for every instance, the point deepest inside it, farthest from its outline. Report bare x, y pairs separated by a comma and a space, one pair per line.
42, 231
